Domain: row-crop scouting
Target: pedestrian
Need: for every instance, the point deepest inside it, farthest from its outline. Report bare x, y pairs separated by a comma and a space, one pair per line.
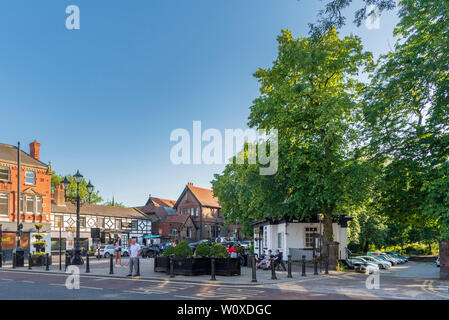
232, 251
134, 253
118, 251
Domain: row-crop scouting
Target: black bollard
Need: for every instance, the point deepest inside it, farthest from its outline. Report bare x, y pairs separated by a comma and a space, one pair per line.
303, 266
138, 267
87, 263
172, 269
13, 260
315, 266
289, 262
111, 265
1, 258
30, 263
212, 268
273, 271
47, 262
326, 265
253, 266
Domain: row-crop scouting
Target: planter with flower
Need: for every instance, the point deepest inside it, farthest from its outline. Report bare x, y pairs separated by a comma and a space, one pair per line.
224, 264
39, 256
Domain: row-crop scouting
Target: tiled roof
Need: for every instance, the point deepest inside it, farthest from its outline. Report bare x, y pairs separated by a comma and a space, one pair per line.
180, 218
161, 207
204, 196
9, 153
98, 210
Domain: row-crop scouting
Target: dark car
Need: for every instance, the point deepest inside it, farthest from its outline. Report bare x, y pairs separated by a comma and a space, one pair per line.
193, 245
151, 250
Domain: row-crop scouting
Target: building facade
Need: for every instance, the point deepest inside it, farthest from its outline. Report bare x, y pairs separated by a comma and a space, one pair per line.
112, 222
35, 195
297, 238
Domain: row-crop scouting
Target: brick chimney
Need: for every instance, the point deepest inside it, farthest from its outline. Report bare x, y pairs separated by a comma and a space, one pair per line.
190, 183
59, 195
34, 149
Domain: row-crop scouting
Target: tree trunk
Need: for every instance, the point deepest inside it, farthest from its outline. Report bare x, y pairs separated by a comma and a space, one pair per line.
328, 235
366, 246
444, 260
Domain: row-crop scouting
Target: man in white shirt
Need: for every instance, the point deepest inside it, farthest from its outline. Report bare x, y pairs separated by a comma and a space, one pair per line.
134, 253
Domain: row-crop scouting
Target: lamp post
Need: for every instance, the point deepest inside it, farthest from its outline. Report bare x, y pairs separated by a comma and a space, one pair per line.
77, 260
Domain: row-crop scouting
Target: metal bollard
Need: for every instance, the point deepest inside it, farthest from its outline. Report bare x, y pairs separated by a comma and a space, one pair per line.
111, 265
87, 264
212, 268
315, 266
326, 265
172, 269
30, 261
289, 267
253, 266
273, 271
303, 266
1, 259
13, 260
138, 267
47, 261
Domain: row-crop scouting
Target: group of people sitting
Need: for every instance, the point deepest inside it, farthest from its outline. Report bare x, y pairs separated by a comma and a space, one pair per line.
264, 260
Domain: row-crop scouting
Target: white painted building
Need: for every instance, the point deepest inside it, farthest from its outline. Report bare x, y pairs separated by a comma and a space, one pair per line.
112, 221
298, 238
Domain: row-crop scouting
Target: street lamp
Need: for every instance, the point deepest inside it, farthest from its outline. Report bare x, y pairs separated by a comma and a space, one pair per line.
77, 260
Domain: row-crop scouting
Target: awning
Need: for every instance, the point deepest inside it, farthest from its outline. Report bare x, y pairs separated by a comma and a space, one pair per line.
151, 237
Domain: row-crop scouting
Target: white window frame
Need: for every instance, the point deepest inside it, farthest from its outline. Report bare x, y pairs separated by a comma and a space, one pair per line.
309, 231
34, 204
34, 178
280, 240
5, 196
39, 200
9, 173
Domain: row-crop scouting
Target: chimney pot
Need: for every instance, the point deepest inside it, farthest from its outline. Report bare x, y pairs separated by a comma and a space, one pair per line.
34, 149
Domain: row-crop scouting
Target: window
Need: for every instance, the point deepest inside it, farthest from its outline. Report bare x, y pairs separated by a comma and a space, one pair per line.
30, 177
59, 222
39, 205
100, 223
118, 223
4, 204
310, 238
280, 237
134, 225
265, 236
29, 204
173, 232
189, 232
4, 173
82, 222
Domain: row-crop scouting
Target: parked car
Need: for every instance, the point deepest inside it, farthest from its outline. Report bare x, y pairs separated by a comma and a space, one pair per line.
193, 245
397, 255
437, 262
106, 251
363, 265
245, 244
151, 250
382, 264
165, 245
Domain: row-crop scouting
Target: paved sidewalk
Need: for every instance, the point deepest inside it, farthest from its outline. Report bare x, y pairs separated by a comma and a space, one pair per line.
102, 268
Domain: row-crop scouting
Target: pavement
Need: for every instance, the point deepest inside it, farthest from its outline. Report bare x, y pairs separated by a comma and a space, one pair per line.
414, 280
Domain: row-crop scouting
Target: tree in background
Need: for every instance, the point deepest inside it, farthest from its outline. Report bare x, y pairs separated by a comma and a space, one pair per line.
71, 191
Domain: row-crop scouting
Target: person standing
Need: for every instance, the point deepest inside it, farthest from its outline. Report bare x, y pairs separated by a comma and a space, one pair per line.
134, 253
118, 251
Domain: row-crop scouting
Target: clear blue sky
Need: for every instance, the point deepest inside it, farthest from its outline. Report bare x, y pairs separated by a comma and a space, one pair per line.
104, 99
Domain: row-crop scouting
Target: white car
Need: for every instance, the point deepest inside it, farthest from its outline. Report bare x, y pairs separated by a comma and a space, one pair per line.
108, 250
364, 265
381, 263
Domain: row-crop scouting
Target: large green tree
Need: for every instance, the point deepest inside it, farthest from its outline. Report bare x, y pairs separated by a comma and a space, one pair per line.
72, 190
312, 96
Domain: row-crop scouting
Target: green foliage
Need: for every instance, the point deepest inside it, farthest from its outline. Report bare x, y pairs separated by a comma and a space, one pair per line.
240, 250
39, 254
39, 226
168, 251
72, 190
202, 249
218, 251
182, 250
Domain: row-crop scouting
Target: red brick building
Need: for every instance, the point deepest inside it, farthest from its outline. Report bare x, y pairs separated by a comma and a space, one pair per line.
35, 193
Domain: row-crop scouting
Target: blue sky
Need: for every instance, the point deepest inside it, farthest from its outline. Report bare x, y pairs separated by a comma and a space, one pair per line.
104, 99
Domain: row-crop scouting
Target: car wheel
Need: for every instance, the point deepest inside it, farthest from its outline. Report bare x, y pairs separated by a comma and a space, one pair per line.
125, 254
107, 255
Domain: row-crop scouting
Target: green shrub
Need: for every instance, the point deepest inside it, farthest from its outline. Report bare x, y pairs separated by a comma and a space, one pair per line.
182, 250
218, 251
202, 249
168, 251
240, 250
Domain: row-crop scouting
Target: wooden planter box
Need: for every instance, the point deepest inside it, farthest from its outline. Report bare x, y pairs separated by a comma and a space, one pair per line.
39, 261
227, 266
162, 264
191, 266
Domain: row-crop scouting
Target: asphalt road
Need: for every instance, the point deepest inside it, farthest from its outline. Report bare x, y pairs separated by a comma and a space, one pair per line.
24, 285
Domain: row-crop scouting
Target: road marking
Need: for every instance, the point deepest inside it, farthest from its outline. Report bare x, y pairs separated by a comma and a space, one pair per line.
427, 287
